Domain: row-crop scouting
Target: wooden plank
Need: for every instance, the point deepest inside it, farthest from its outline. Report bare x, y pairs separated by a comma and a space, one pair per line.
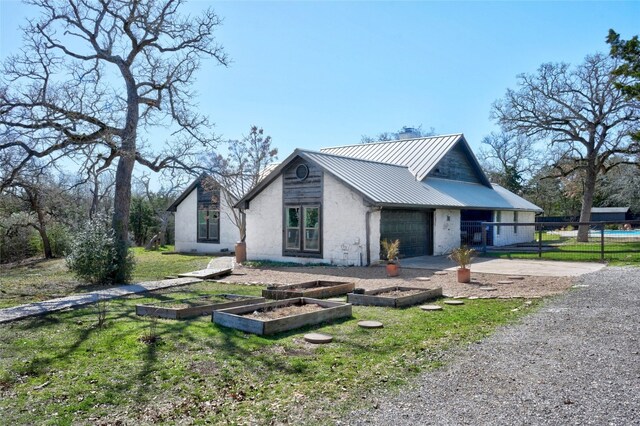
206, 274
233, 317
371, 298
308, 289
194, 311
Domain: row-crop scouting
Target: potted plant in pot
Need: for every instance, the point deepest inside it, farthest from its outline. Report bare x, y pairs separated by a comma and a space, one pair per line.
391, 249
463, 256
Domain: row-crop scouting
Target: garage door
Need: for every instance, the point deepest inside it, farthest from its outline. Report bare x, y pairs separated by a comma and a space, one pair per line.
413, 228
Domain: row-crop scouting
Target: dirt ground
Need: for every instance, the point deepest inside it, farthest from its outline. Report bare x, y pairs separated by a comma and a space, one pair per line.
375, 277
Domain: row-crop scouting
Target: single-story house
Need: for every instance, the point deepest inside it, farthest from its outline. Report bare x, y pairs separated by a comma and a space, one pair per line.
609, 214
336, 205
203, 220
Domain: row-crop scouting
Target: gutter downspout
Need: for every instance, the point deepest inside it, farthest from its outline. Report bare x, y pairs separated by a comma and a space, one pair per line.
367, 219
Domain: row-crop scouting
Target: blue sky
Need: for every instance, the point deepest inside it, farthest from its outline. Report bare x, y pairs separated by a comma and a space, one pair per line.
316, 74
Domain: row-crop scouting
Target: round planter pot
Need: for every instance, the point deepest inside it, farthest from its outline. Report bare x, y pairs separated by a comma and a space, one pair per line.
393, 269
464, 275
241, 252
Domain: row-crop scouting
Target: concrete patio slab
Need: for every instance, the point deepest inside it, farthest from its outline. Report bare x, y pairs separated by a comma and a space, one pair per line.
530, 267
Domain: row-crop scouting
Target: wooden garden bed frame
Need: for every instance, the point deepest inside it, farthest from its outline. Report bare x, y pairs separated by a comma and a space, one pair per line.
233, 317
318, 289
372, 298
157, 310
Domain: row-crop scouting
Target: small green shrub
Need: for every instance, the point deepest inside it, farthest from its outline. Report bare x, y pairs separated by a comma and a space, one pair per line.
93, 255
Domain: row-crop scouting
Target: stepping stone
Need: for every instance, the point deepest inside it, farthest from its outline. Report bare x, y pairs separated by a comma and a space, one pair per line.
516, 277
431, 307
505, 282
318, 338
487, 288
423, 279
370, 324
473, 297
441, 273
454, 302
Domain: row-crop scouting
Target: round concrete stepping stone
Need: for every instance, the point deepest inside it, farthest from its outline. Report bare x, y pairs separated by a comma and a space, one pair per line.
473, 297
423, 279
431, 307
441, 273
487, 288
454, 302
515, 277
505, 282
318, 338
370, 324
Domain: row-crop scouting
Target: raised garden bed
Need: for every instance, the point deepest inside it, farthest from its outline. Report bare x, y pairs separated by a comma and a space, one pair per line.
282, 315
189, 308
394, 297
315, 289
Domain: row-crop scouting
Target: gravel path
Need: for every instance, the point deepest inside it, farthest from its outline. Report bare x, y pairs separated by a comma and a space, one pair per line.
376, 277
574, 362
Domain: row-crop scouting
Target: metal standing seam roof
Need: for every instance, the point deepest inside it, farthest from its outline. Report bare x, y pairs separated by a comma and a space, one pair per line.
609, 209
386, 184
381, 183
420, 155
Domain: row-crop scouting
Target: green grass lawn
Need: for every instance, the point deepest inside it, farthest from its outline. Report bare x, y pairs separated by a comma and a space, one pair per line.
63, 369
555, 247
46, 279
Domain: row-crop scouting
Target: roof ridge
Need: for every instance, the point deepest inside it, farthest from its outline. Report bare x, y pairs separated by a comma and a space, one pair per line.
394, 141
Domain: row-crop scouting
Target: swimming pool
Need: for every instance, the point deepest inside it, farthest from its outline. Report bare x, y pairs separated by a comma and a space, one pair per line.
617, 233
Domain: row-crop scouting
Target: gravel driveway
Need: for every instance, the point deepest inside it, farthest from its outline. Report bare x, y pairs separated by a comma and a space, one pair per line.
574, 362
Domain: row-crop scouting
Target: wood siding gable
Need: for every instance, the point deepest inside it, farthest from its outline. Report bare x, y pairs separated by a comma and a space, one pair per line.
457, 164
297, 191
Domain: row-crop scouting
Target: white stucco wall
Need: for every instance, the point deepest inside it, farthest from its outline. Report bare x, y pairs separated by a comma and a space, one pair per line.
187, 232
507, 236
264, 224
343, 226
446, 231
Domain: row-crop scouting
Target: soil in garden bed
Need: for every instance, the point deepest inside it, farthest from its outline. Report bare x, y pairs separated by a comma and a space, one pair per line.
398, 293
285, 311
195, 302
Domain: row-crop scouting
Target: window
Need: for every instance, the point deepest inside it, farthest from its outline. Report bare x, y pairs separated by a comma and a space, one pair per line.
515, 219
208, 215
498, 219
293, 228
302, 229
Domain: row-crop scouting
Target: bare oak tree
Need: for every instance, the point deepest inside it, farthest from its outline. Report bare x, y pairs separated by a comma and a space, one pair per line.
582, 116
93, 75
247, 162
509, 159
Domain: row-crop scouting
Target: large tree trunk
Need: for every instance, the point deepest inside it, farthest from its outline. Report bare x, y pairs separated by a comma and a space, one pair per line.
121, 207
587, 201
122, 196
46, 243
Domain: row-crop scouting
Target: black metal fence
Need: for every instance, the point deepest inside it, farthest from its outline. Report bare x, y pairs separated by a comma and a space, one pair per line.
604, 241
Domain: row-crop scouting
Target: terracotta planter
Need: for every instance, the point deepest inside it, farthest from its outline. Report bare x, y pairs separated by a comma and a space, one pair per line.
241, 252
393, 269
464, 275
